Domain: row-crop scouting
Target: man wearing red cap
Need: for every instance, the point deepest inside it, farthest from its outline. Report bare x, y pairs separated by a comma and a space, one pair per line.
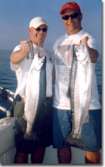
62, 116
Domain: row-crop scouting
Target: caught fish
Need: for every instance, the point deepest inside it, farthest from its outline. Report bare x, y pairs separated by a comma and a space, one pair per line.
34, 93
80, 88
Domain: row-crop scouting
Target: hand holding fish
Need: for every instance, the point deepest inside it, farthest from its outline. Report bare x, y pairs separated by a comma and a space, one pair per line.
84, 41
92, 52
25, 47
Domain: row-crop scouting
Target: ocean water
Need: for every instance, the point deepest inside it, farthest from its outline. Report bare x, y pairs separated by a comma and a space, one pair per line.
7, 76
8, 79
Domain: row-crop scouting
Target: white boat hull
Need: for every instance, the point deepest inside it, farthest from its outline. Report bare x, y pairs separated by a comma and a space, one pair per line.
7, 145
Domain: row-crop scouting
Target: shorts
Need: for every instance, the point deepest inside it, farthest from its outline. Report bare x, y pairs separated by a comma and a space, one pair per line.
91, 132
42, 131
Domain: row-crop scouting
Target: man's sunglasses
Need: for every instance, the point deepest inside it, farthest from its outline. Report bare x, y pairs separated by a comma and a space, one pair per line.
41, 29
72, 16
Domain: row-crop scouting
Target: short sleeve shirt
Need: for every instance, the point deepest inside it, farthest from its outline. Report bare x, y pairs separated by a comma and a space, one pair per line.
62, 65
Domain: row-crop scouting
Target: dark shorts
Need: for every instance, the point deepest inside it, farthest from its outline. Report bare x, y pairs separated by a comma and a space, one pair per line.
42, 131
91, 132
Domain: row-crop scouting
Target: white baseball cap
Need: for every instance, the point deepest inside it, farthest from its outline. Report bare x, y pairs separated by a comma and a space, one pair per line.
37, 21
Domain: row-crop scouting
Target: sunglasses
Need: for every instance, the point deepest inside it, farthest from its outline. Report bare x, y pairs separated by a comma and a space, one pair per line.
41, 29
72, 16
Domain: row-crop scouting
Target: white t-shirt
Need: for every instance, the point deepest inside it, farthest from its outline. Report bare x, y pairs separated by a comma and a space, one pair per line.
23, 67
62, 66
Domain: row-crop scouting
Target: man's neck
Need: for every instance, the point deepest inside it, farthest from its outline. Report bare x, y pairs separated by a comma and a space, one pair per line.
75, 31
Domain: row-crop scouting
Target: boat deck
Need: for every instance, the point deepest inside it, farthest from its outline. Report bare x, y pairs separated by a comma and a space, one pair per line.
7, 147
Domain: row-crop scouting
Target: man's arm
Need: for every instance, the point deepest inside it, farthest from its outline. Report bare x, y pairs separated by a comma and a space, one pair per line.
17, 56
93, 54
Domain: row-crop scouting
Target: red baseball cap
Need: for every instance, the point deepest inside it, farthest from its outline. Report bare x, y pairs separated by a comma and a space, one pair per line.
69, 6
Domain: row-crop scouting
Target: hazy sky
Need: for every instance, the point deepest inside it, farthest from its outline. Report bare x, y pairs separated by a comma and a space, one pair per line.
16, 14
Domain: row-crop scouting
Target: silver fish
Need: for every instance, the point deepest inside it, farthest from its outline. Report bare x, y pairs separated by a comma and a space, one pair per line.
35, 91
80, 88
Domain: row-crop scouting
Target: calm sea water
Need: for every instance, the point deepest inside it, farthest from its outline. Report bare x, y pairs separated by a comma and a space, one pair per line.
8, 79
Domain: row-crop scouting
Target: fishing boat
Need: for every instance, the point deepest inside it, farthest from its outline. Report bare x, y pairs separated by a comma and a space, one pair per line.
6, 100
7, 131
7, 145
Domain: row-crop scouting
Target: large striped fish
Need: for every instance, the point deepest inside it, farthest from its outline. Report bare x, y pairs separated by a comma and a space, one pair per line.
34, 93
80, 88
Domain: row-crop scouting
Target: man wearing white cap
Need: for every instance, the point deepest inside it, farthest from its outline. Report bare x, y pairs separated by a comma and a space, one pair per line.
28, 60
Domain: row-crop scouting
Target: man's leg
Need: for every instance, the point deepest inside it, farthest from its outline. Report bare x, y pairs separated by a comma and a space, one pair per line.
64, 155
21, 158
92, 157
37, 156
61, 128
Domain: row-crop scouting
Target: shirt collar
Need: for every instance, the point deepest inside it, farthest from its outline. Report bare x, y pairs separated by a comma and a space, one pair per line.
74, 35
